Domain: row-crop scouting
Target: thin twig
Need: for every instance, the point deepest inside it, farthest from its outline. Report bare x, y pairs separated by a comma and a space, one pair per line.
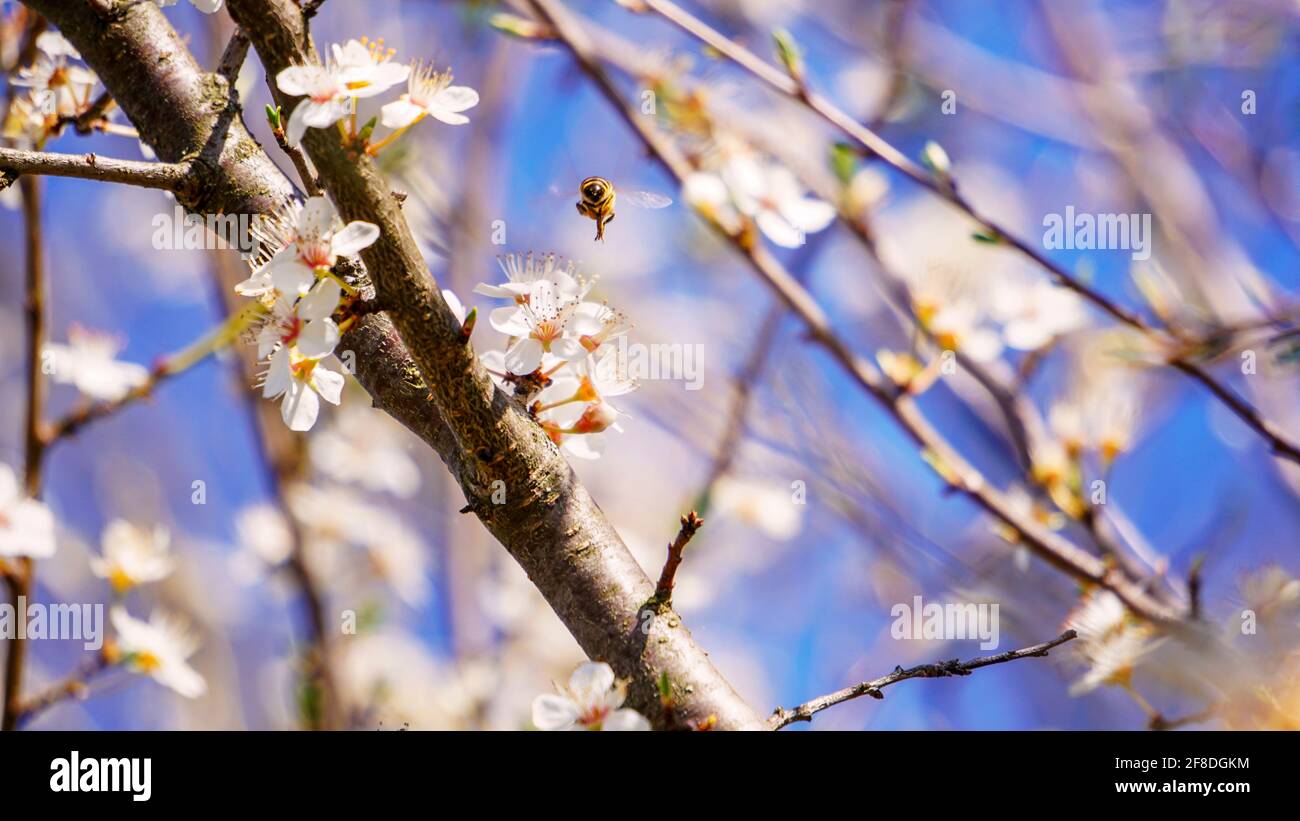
164, 176
22, 578
945, 188
309, 182
951, 466
74, 686
691, 523
232, 59
782, 717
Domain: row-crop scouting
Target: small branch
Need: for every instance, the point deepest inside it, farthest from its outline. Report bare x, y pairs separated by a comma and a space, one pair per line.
92, 118
162, 176
72, 687
1158, 722
232, 59
782, 717
691, 523
309, 182
166, 368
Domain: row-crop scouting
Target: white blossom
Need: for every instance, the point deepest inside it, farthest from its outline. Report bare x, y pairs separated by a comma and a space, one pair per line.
88, 362
26, 525
159, 648
133, 555
430, 94
591, 701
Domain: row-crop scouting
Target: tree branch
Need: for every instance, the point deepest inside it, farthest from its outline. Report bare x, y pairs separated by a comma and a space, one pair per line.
163, 176
782, 717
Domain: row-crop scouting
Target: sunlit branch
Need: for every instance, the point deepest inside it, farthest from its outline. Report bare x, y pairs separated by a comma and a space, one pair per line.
163, 176
782, 717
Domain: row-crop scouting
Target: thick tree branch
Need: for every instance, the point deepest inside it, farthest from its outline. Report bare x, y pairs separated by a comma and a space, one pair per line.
782, 717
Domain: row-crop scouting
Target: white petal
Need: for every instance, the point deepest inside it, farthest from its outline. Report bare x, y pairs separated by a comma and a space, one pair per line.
355, 236
300, 407
329, 384
317, 217
291, 277
590, 682
318, 339
448, 117
510, 320
810, 215
400, 113
568, 349
297, 125
278, 374
624, 721
456, 98
524, 356
297, 81
554, 713
321, 302
778, 230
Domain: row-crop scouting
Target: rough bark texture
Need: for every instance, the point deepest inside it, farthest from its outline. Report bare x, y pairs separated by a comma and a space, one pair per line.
417, 368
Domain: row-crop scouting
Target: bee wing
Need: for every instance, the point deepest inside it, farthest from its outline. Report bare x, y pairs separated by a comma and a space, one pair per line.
644, 199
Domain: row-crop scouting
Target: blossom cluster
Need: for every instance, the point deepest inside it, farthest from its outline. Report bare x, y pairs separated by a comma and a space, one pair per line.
742, 183
59, 88
363, 69
559, 355
293, 279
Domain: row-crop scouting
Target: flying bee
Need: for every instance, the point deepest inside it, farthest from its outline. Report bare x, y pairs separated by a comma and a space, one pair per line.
597, 202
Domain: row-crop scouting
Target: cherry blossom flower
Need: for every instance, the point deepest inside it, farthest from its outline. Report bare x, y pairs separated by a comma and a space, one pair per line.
26, 525
522, 270
768, 193
306, 325
132, 555
158, 648
366, 67
772, 196
430, 94
1035, 314
960, 327
765, 505
540, 327
88, 363
592, 701
315, 243
57, 87
302, 381
357, 71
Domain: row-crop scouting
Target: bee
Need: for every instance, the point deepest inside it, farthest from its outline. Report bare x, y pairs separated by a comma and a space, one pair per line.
597, 202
